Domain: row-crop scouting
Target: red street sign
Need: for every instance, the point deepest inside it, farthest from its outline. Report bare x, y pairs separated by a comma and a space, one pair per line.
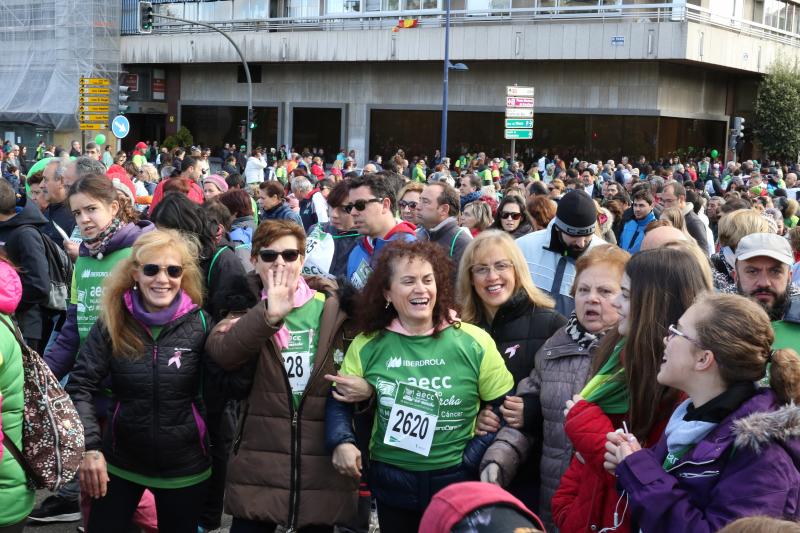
132, 81
517, 101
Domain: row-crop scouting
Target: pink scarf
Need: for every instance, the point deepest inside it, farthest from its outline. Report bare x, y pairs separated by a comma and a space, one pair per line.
302, 295
397, 327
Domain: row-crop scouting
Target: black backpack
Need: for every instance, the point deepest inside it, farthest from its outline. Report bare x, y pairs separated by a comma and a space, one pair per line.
59, 267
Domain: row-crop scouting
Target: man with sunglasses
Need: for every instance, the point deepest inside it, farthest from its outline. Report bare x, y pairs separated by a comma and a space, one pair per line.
551, 253
437, 213
371, 203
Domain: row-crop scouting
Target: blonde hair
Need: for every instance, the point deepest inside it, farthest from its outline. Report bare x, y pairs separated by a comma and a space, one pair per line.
691, 247
739, 333
472, 309
733, 226
675, 217
121, 326
761, 524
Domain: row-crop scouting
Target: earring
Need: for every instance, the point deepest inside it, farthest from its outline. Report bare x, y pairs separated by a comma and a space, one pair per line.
388, 303
135, 286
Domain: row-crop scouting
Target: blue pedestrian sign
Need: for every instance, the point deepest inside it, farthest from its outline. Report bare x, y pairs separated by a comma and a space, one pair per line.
120, 127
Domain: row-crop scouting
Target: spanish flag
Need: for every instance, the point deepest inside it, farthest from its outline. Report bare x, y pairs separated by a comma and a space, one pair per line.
406, 23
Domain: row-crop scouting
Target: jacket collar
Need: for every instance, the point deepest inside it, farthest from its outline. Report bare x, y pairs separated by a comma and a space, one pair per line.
759, 421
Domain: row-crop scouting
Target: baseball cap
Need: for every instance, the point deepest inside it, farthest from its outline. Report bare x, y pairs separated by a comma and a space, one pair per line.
765, 245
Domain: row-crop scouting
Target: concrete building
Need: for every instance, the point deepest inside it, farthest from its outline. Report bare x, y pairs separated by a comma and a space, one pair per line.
612, 77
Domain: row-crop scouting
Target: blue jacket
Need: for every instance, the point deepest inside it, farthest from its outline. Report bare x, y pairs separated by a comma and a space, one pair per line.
404, 488
361, 261
280, 212
633, 233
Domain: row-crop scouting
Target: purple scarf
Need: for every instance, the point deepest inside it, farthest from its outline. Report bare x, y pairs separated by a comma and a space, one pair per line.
133, 300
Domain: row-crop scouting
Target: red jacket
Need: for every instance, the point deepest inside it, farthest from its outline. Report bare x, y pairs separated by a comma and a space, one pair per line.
587, 495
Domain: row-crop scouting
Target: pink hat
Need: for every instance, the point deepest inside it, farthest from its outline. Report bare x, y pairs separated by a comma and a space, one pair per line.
10, 288
217, 180
451, 504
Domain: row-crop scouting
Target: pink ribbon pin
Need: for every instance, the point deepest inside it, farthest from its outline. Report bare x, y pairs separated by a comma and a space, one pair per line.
175, 359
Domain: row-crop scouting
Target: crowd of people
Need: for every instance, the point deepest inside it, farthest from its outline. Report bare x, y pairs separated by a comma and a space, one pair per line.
466, 345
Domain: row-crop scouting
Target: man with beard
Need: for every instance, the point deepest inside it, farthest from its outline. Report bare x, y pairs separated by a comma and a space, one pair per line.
551, 253
763, 273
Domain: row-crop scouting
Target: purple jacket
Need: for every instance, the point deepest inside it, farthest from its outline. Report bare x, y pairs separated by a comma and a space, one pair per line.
748, 465
61, 355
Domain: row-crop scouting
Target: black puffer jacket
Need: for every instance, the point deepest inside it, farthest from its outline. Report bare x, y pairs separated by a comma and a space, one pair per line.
156, 422
519, 329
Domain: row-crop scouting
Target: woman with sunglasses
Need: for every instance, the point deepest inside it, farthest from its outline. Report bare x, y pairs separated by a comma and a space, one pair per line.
732, 448
408, 201
622, 392
512, 217
149, 343
280, 472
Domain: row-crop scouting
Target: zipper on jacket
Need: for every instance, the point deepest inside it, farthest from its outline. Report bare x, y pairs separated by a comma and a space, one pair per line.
155, 401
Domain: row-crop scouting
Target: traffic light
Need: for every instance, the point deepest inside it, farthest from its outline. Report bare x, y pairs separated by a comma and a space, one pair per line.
145, 18
251, 119
122, 105
737, 133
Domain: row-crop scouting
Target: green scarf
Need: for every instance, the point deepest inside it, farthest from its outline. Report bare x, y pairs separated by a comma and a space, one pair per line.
608, 389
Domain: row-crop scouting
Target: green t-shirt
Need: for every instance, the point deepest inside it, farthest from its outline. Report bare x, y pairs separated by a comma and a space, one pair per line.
787, 335
298, 357
87, 287
461, 366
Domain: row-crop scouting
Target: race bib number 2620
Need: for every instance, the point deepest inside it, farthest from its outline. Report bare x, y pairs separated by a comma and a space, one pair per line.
412, 420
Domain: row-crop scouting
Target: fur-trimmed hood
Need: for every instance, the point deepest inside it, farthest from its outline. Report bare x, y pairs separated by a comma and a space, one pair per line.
757, 430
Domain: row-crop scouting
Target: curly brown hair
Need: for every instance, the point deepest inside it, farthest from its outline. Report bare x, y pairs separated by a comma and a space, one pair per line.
374, 316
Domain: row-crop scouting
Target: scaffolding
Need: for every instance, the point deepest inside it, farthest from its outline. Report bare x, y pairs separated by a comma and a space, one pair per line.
47, 46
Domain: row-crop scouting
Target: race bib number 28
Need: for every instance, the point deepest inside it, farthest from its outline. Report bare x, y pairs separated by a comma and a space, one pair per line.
412, 420
297, 359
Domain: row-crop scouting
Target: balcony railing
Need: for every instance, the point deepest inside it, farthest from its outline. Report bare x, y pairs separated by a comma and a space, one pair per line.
647, 13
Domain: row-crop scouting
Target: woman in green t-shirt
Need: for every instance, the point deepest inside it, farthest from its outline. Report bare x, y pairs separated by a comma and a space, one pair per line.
429, 374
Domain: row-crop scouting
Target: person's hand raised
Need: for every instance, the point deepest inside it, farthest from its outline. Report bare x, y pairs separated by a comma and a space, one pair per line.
280, 293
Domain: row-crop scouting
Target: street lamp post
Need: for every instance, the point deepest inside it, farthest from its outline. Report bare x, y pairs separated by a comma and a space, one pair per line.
249, 134
443, 149
447, 67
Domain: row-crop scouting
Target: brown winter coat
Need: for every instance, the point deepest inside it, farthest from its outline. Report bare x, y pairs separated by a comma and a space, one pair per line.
560, 371
279, 470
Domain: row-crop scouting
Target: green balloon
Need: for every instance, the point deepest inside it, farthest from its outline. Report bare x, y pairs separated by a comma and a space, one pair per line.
39, 165
100, 139
714, 153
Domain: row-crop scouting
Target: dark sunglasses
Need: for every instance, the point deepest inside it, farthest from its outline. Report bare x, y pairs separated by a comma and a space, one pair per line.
512, 216
150, 270
360, 205
270, 256
403, 204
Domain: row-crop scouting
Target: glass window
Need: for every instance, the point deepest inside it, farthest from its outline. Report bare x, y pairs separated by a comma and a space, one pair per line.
215, 11
372, 5
390, 5
343, 6
303, 8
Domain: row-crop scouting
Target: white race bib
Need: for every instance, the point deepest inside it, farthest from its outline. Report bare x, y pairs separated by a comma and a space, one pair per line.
412, 421
297, 359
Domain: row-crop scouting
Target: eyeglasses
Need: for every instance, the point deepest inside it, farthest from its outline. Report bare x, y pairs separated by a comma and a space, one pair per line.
270, 256
482, 271
360, 205
673, 331
512, 216
403, 204
174, 271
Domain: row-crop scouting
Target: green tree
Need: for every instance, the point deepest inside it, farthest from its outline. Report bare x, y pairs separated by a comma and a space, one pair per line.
777, 112
182, 138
